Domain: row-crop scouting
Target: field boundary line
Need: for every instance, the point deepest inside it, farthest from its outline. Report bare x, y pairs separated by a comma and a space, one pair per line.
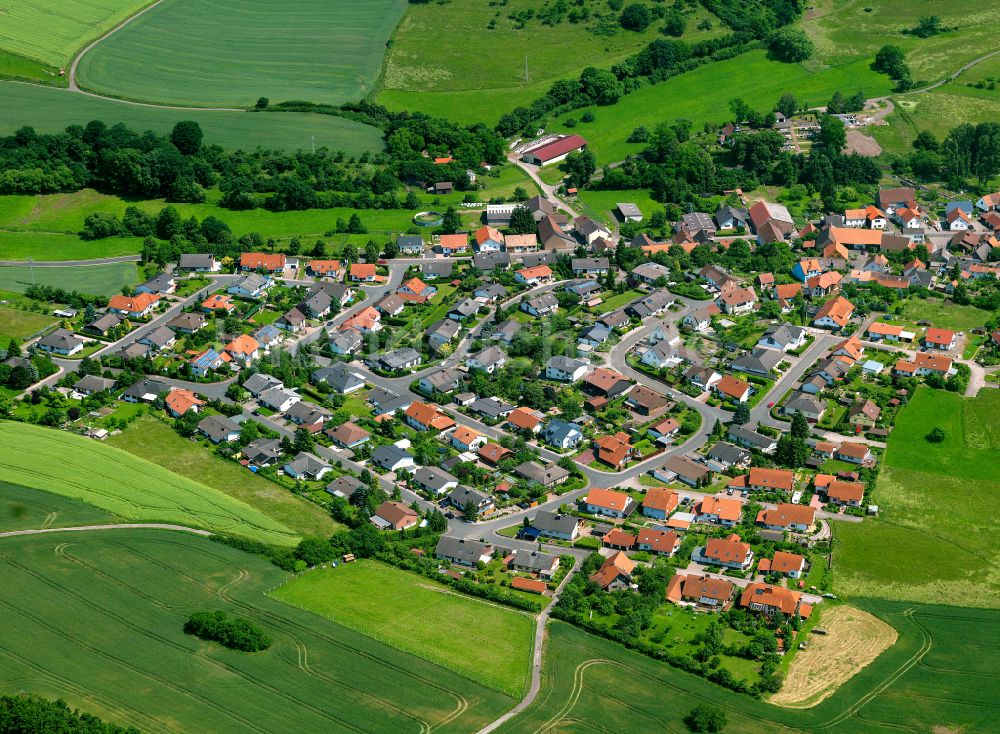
114, 526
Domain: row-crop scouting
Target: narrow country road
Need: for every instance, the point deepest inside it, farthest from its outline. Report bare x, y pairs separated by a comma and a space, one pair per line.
115, 526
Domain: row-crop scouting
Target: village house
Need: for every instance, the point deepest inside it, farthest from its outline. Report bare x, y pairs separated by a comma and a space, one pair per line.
546, 476
834, 314
427, 417
218, 302
659, 503
843, 493
853, 453
562, 434
394, 516
614, 450
736, 301
719, 510
793, 518
659, 542
392, 458
783, 337
664, 431
306, 466
923, 364
179, 401
704, 378
133, 307
556, 525
253, 285
729, 552
463, 552
732, 389
616, 573
608, 502
348, 435
943, 339
771, 480
544, 565
699, 591
219, 429
683, 469
264, 261
774, 601
434, 480
540, 305
751, 439
534, 276
791, 565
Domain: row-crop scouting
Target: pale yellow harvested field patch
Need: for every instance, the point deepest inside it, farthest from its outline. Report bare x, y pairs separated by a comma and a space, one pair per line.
853, 640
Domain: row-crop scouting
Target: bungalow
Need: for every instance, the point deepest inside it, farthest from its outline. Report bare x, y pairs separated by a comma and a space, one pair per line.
565, 369
464, 439
208, 361
143, 391
410, 244
924, 364
594, 336
263, 452
704, 378
943, 339
60, 341
258, 382
243, 350
326, 269
268, 262
771, 480
618, 319
606, 383
525, 419
879, 331
491, 408
92, 384
784, 337
793, 518
719, 510
654, 304
464, 310
363, 272
317, 305
199, 263
442, 381
390, 305
659, 355
687, 471
307, 415
649, 273
340, 378
664, 431
278, 398
488, 239
520, 243
589, 267
219, 429
547, 476
392, 458
489, 293
442, 332
179, 401
729, 552
864, 413
700, 591
728, 455
834, 314
133, 307
853, 453
556, 525
452, 244
417, 288
534, 276
493, 454
348, 435
434, 480
561, 434
761, 361
488, 360
306, 466
773, 601
736, 301
534, 562
218, 302
850, 494
540, 305
253, 285
751, 439
397, 361
616, 573
102, 324
658, 542
659, 503
292, 320
346, 341
436, 270
394, 516
701, 319
608, 502
462, 551
732, 389
791, 565
187, 323
426, 417
811, 408
163, 284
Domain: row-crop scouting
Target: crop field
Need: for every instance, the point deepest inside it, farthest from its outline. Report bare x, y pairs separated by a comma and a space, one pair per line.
53, 110
22, 508
19, 246
52, 31
21, 324
922, 683
208, 53
932, 540
468, 83
152, 439
101, 280
115, 481
421, 617
700, 97
96, 618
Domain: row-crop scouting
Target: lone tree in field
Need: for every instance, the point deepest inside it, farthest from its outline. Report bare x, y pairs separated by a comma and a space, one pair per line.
790, 45
187, 136
936, 435
706, 717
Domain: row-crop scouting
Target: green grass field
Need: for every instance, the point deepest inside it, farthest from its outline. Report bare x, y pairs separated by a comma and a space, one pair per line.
22, 508
601, 204
945, 316
63, 246
96, 618
51, 110
937, 111
101, 280
935, 678
115, 481
21, 324
52, 31
932, 540
152, 439
195, 52
482, 78
484, 642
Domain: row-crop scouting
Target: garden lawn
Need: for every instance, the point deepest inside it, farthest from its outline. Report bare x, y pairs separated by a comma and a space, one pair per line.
152, 439
932, 539
22, 324
96, 619
944, 315
485, 642
118, 482
51, 110
617, 301
601, 204
100, 280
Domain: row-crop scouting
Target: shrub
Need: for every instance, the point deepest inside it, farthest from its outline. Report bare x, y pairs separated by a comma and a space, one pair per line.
706, 717
235, 633
936, 435
635, 17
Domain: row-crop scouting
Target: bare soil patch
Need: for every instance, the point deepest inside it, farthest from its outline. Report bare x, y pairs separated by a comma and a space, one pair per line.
858, 142
855, 638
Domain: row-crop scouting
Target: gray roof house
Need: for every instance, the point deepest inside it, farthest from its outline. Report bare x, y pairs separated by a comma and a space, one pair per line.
344, 486
462, 551
397, 360
751, 439
463, 310
90, 384
159, 338
60, 341
547, 476
442, 332
727, 455
340, 378
259, 382
562, 434
143, 391
278, 398
759, 362
556, 525
263, 451
306, 466
102, 324
462, 495
218, 428
492, 408
444, 381
490, 261
783, 336
392, 458
434, 480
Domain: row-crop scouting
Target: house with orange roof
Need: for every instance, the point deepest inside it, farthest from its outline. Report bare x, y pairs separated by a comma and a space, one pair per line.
520, 243
774, 601
924, 364
876, 217
179, 401
807, 268
534, 276
729, 552
736, 301
784, 293
218, 302
659, 542
659, 503
418, 288
615, 451
855, 217
943, 339
908, 218
271, 262
771, 480
958, 220
879, 331
850, 349
703, 592
791, 565
852, 238
824, 284
835, 249
615, 573
608, 502
368, 320
618, 539
841, 493
732, 389
464, 438
853, 453
724, 511
834, 314
493, 453
363, 272
243, 350
786, 516
426, 417
532, 586
133, 307
326, 269
526, 419
452, 244
488, 239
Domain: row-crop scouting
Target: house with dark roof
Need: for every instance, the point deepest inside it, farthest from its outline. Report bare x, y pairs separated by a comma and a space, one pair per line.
462, 551
219, 429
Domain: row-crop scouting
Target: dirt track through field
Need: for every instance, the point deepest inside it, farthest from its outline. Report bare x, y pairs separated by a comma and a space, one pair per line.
854, 640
